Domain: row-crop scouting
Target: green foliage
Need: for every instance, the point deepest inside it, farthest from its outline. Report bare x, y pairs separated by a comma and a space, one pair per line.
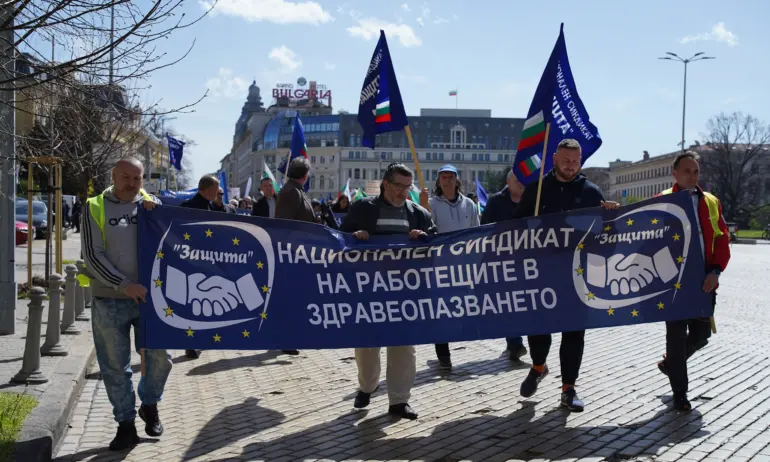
14, 408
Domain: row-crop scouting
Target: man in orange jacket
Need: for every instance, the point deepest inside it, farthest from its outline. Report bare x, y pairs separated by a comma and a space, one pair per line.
680, 344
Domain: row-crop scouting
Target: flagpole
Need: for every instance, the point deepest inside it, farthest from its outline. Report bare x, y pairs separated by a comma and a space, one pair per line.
414, 156
542, 168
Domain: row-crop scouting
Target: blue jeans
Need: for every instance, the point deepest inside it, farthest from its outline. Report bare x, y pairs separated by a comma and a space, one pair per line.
513, 343
112, 319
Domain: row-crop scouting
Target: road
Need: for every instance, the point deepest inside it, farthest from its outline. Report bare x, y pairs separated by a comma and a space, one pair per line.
257, 405
70, 252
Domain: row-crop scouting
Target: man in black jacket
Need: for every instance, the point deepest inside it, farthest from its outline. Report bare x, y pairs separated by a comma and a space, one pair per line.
500, 207
208, 187
218, 204
564, 189
265, 206
388, 213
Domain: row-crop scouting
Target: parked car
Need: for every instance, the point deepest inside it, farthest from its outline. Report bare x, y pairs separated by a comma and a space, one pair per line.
39, 216
23, 233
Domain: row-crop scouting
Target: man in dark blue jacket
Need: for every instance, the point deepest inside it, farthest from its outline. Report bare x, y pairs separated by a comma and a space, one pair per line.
564, 189
500, 207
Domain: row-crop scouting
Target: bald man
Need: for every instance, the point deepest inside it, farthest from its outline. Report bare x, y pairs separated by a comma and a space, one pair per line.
109, 243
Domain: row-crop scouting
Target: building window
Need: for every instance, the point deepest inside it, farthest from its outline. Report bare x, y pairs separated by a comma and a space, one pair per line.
312, 182
500, 157
441, 156
474, 157
357, 174
322, 182
350, 154
312, 159
323, 159
331, 183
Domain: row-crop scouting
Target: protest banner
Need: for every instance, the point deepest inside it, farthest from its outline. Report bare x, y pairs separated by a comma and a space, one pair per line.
223, 281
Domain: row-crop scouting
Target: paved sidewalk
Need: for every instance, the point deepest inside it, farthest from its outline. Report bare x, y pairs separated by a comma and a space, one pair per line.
70, 251
233, 406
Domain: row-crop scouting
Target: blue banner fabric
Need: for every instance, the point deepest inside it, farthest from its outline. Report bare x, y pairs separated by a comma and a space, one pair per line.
219, 281
175, 151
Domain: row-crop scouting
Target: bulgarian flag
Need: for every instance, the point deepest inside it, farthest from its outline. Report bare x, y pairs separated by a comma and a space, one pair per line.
346, 192
382, 112
532, 134
453, 93
414, 194
266, 173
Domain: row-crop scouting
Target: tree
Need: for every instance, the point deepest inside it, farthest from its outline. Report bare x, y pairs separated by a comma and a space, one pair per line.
732, 161
495, 180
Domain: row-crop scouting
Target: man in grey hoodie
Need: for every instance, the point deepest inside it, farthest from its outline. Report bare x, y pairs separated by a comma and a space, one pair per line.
109, 243
451, 211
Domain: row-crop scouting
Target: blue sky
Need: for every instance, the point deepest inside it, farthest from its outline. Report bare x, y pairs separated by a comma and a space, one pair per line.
492, 52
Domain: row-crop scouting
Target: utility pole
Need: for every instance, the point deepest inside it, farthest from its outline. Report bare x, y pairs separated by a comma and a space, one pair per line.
8, 181
674, 57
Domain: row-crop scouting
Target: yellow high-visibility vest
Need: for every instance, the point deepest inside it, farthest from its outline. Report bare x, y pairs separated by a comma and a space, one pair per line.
712, 204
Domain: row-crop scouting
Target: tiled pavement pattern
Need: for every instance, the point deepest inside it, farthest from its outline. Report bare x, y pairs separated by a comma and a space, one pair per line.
234, 406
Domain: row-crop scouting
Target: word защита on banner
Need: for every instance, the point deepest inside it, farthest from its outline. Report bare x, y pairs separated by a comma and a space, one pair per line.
219, 281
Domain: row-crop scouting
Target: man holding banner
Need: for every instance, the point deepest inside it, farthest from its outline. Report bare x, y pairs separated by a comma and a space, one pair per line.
562, 190
388, 213
680, 344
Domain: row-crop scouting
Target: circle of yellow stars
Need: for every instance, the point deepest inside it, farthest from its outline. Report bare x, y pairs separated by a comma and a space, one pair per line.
170, 312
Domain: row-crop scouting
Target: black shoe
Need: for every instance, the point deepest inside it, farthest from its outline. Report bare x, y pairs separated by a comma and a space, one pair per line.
529, 385
570, 400
192, 354
516, 353
402, 410
681, 403
126, 437
362, 398
290, 352
152, 425
445, 363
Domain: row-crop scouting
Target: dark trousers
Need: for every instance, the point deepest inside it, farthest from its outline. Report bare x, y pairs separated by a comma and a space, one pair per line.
570, 353
683, 338
442, 349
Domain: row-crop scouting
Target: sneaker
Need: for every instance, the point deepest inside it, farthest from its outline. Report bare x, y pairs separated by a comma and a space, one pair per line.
192, 354
126, 437
529, 385
362, 399
681, 403
570, 400
152, 425
445, 363
516, 353
403, 411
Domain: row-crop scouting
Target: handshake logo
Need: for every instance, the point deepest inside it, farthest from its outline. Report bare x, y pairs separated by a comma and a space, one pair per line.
628, 274
212, 295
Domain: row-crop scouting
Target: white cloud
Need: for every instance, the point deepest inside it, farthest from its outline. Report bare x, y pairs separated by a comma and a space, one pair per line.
718, 34
420, 21
227, 85
369, 28
440, 20
288, 60
405, 7
276, 11
330, 66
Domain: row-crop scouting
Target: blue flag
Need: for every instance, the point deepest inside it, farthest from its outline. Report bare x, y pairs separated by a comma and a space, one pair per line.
298, 148
223, 184
175, 152
225, 281
481, 194
556, 102
380, 109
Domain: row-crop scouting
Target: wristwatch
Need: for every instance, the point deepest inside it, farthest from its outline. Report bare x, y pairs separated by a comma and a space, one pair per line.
716, 271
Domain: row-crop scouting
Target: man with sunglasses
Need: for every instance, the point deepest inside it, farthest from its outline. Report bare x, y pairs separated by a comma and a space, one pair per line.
218, 204
388, 213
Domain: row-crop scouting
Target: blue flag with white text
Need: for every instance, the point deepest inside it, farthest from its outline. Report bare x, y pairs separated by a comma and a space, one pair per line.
380, 109
557, 102
225, 281
175, 151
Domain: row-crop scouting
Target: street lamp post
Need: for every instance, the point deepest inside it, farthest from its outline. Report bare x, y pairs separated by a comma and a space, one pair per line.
674, 57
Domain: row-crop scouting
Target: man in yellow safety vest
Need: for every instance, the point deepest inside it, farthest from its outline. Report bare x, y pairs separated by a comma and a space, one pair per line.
681, 344
109, 243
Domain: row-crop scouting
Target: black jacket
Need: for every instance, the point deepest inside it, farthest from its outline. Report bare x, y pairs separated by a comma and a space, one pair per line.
363, 214
557, 196
261, 208
499, 208
227, 208
197, 202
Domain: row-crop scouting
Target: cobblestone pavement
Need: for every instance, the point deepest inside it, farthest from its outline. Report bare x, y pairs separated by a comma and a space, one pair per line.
233, 406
